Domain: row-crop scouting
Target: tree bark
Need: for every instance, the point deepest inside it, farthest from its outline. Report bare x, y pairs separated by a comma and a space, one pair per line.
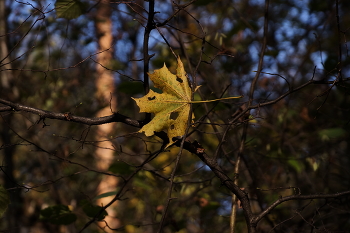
105, 89
7, 90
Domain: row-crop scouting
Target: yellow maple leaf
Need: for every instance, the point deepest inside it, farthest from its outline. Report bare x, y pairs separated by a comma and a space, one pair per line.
172, 107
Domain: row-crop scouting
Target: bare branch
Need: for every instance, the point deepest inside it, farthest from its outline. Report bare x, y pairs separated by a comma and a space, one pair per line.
297, 197
115, 117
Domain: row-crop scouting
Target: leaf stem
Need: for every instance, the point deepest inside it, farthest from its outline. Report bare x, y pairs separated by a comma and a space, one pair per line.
207, 101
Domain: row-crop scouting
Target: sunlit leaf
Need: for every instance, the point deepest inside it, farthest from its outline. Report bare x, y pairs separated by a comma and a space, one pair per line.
172, 106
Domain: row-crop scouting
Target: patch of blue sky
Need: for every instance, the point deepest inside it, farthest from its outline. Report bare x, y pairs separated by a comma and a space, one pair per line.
161, 6
257, 2
284, 35
254, 51
293, 12
138, 52
207, 18
201, 165
123, 48
270, 64
318, 58
121, 7
315, 17
301, 3
116, 24
282, 55
302, 13
285, 31
226, 206
227, 24
302, 46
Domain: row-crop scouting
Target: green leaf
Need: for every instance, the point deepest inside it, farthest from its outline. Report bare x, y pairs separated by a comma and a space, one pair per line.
297, 165
107, 194
331, 133
92, 210
120, 168
139, 183
4, 200
58, 214
69, 9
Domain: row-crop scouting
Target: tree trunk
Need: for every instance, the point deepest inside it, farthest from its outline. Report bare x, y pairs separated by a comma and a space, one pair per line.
105, 88
14, 211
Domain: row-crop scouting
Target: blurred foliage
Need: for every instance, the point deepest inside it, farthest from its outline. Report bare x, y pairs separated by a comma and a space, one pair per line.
58, 214
93, 211
297, 145
4, 200
69, 9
